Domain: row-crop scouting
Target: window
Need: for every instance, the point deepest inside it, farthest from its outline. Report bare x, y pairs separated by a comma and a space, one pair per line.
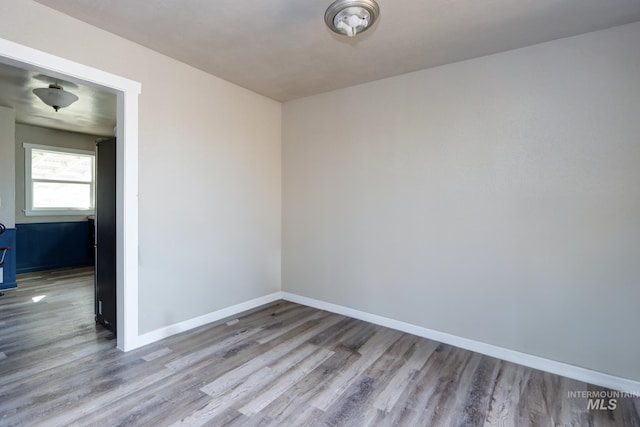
58, 181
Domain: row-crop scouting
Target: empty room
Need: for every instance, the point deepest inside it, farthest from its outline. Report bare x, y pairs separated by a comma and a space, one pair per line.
344, 213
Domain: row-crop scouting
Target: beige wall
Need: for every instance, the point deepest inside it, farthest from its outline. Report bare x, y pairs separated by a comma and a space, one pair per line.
209, 170
495, 199
51, 137
7, 171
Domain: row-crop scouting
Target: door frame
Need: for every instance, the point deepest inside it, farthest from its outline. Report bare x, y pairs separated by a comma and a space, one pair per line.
127, 92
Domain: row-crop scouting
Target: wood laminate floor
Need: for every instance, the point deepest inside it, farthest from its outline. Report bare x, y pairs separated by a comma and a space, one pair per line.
283, 364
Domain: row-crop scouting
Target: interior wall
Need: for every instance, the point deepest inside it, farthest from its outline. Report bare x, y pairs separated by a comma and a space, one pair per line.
7, 171
495, 199
53, 138
209, 170
7, 196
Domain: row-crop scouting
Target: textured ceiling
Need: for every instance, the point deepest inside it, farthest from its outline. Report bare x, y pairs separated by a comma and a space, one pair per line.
282, 49
94, 112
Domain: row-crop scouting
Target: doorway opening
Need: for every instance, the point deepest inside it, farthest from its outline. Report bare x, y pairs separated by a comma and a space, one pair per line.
127, 92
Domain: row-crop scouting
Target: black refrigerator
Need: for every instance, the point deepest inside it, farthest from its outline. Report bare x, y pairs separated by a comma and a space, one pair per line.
105, 234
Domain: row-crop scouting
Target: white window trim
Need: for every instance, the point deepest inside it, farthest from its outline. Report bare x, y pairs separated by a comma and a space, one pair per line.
28, 182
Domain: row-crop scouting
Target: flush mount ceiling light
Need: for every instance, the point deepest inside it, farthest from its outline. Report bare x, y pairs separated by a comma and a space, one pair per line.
54, 96
351, 17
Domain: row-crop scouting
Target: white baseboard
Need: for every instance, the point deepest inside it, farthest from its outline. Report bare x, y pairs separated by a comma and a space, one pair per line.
158, 334
535, 362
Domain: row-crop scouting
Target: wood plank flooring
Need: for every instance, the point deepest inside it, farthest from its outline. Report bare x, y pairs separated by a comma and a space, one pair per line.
280, 365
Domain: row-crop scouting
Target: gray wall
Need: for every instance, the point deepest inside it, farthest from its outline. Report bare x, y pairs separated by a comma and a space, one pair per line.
209, 170
7, 171
495, 199
53, 138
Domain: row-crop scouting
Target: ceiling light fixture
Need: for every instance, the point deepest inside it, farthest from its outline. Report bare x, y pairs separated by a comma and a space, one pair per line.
351, 17
54, 96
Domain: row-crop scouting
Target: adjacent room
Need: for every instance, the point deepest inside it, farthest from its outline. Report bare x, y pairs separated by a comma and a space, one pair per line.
320, 213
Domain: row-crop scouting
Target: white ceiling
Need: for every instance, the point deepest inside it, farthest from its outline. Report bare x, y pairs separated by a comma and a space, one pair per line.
282, 49
94, 113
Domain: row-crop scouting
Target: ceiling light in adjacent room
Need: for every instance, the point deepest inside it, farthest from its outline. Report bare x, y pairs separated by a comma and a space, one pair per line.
54, 96
351, 17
